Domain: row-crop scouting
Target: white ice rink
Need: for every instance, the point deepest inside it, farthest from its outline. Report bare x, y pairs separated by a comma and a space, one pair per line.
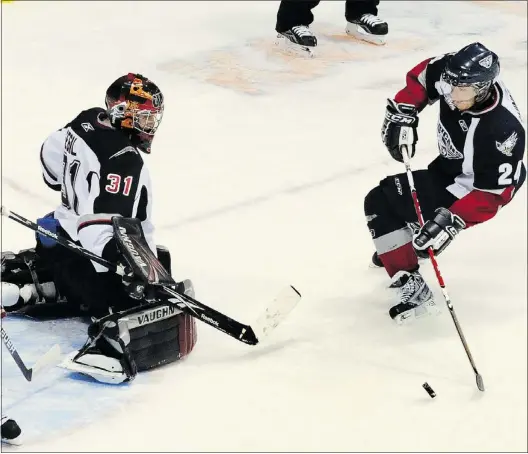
260, 168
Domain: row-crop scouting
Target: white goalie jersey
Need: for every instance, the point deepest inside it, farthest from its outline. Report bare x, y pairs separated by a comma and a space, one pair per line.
100, 174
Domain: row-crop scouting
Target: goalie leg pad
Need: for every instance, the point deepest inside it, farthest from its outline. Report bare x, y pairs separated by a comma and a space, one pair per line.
105, 356
101, 368
160, 335
139, 339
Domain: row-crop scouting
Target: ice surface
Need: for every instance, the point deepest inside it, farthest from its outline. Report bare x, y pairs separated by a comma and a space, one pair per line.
260, 168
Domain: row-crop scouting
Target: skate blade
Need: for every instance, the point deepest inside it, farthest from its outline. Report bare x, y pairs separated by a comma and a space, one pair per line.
424, 310
371, 39
285, 45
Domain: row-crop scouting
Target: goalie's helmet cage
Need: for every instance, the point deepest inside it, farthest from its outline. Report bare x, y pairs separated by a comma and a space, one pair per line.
135, 104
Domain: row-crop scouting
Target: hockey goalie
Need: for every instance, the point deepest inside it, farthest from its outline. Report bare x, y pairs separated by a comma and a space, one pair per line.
95, 162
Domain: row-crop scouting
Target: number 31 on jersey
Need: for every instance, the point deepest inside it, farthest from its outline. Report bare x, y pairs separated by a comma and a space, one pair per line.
114, 184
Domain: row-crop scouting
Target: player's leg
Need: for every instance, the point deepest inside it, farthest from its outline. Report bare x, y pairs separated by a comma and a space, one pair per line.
50, 281
389, 211
363, 21
144, 335
292, 27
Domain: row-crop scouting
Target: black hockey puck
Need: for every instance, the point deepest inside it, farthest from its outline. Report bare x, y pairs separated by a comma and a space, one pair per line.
10, 430
429, 390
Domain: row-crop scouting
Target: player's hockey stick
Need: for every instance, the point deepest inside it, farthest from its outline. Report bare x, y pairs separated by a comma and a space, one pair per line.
50, 357
277, 311
407, 162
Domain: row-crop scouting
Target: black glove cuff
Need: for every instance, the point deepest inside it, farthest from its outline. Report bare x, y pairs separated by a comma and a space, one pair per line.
111, 251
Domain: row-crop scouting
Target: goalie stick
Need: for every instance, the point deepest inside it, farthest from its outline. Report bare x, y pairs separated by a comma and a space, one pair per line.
274, 314
50, 357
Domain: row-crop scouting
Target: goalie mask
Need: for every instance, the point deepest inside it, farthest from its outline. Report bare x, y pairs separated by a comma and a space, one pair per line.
135, 104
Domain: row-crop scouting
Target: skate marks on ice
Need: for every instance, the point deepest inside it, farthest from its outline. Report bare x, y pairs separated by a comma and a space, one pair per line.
56, 401
259, 66
295, 189
27, 191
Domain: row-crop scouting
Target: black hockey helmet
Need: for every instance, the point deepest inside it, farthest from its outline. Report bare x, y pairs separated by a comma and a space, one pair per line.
473, 66
135, 103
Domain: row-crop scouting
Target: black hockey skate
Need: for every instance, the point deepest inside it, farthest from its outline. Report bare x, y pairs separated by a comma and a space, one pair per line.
298, 39
10, 431
416, 299
368, 28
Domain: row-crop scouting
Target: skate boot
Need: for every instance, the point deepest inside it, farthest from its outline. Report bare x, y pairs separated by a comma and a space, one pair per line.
10, 431
416, 299
298, 39
368, 28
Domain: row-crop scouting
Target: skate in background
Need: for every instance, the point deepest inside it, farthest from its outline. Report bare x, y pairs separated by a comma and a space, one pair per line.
294, 19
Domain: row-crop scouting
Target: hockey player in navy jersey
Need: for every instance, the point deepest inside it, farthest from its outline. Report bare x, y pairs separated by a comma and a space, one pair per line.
481, 141
95, 162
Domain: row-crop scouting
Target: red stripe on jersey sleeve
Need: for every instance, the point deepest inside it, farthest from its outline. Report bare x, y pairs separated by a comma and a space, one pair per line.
414, 92
480, 206
91, 222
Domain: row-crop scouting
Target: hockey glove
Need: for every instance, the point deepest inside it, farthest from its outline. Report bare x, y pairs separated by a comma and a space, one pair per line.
439, 232
400, 128
134, 286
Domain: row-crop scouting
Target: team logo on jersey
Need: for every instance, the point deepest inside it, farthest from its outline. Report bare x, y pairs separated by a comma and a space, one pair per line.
463, 125
123, 151
445, 144
87, 127
486, 62
507, 146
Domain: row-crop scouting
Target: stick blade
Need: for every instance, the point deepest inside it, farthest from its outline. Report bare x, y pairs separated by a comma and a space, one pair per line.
276, 312
51, 357
480, 382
